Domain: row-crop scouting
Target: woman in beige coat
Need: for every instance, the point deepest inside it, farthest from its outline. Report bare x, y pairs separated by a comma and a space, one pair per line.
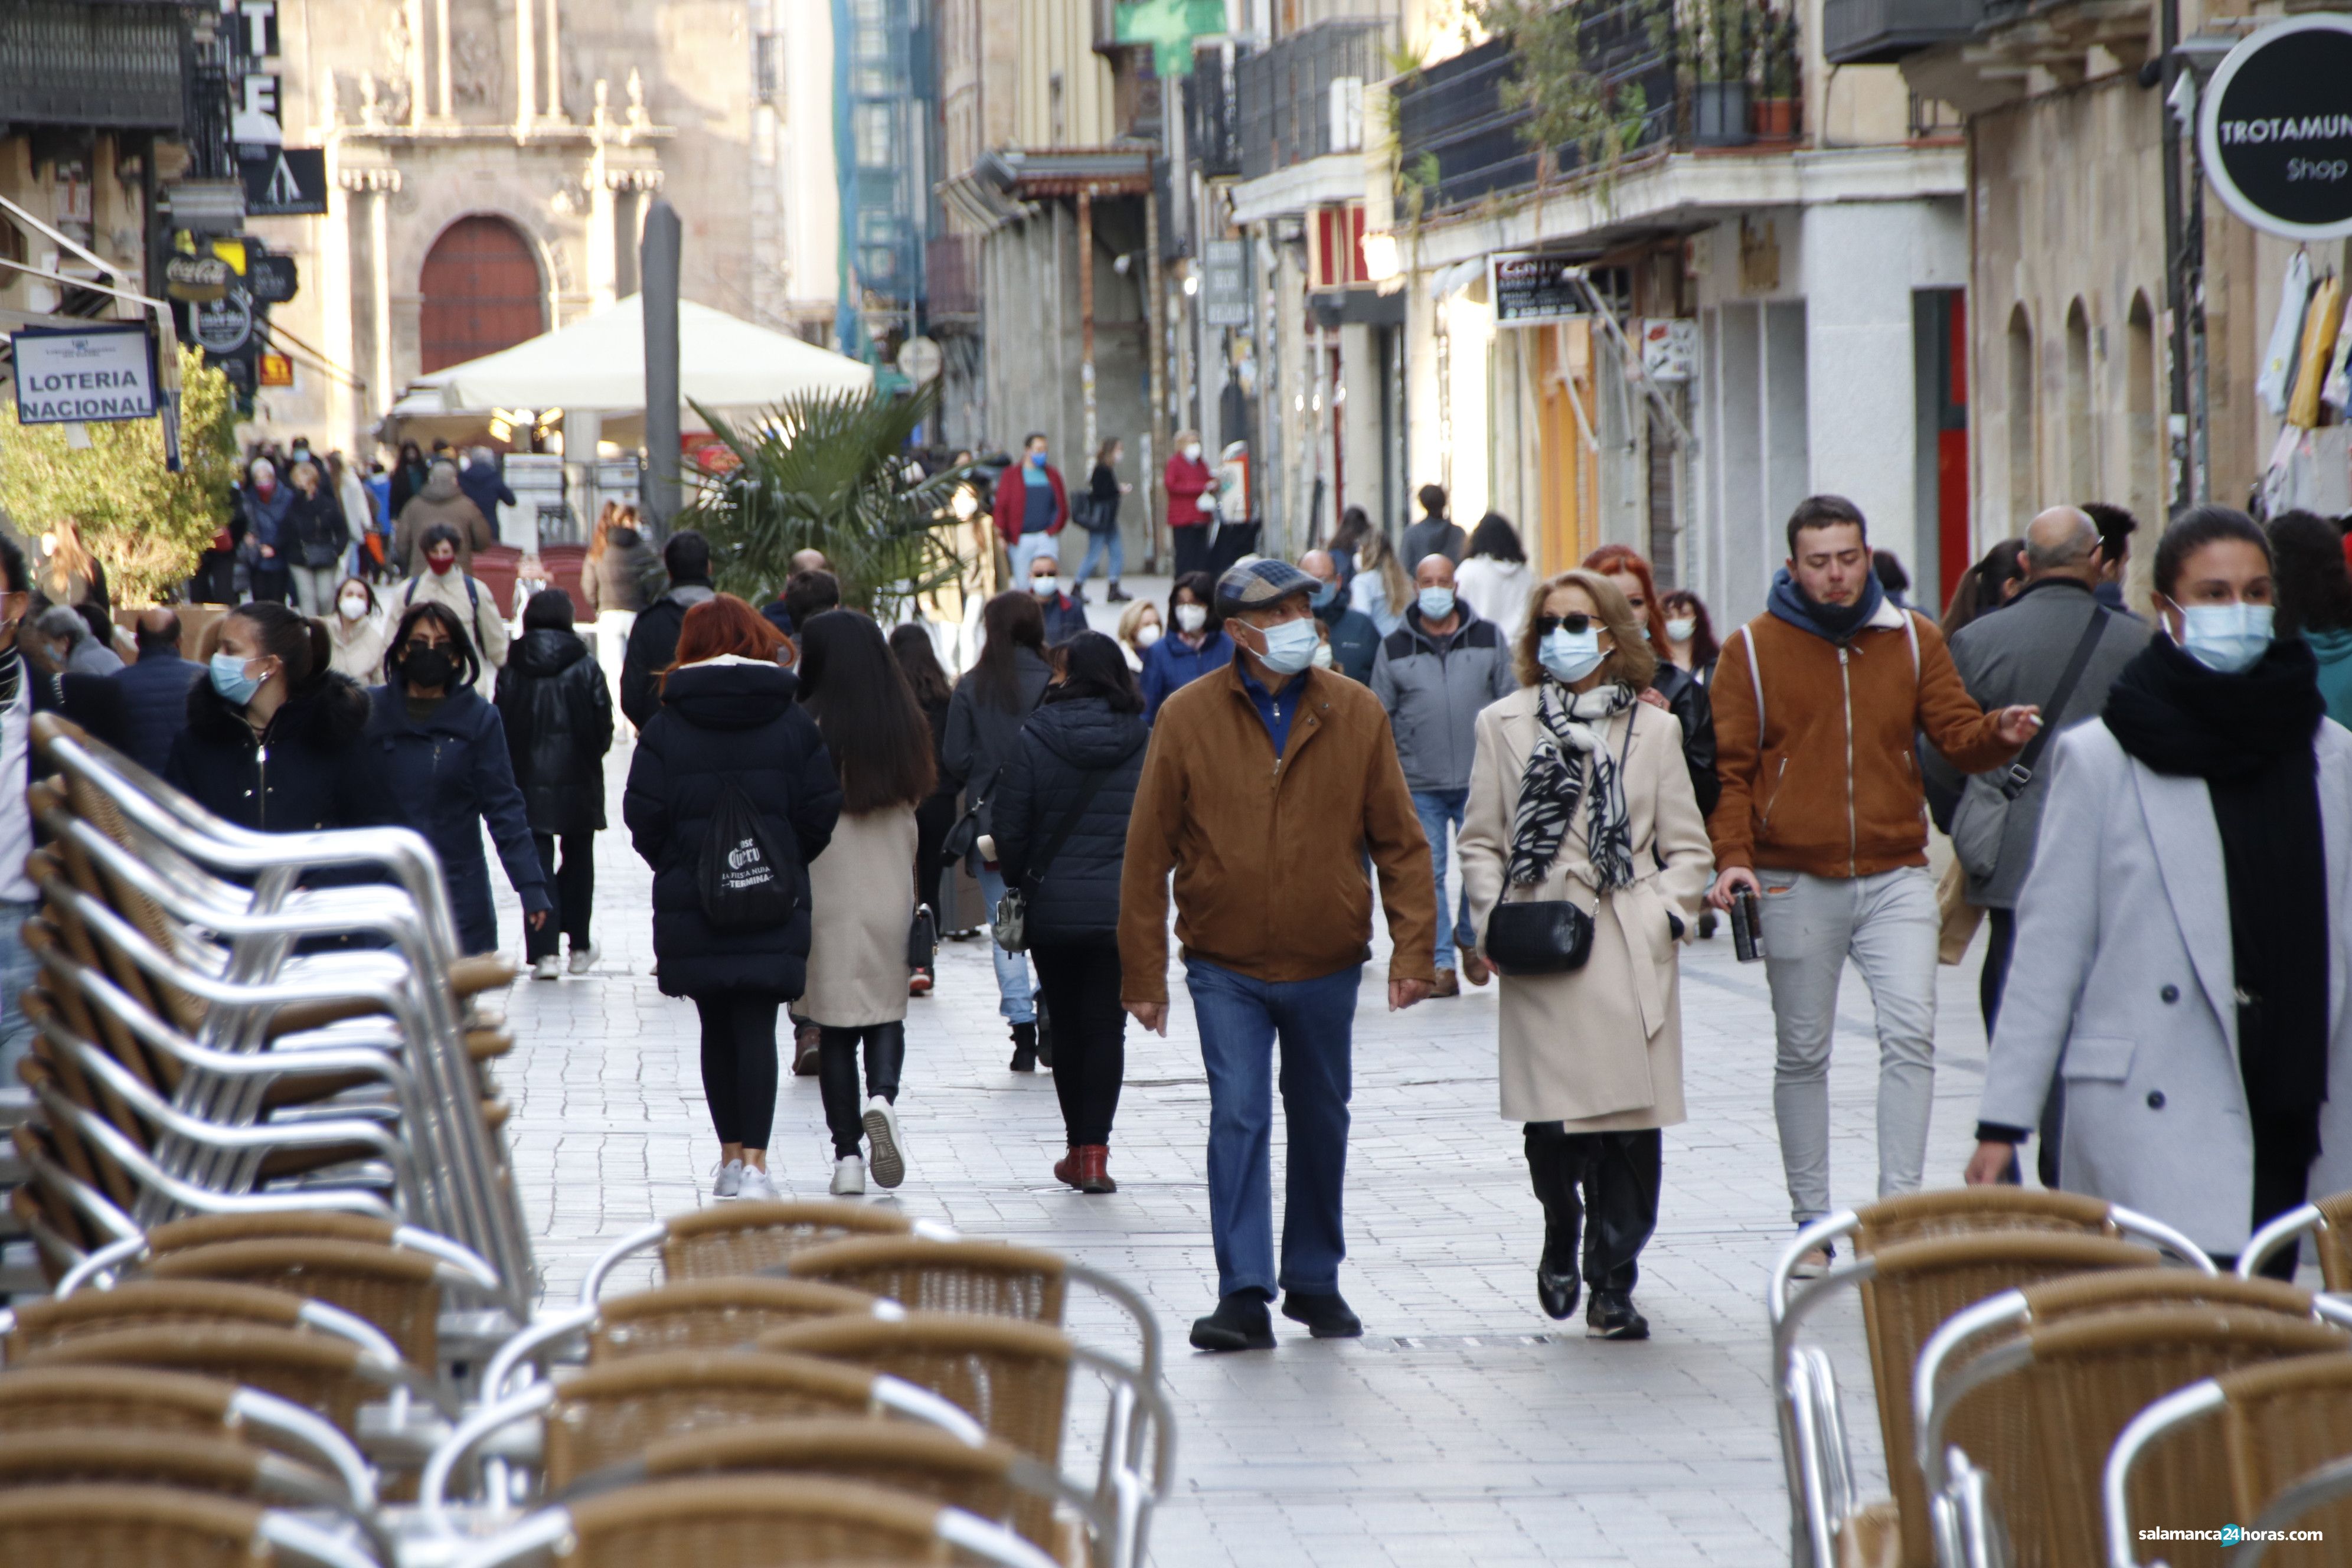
861, 899
1578, 791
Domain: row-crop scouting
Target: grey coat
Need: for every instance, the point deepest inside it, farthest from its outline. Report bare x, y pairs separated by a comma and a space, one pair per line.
2124, 984
1435, 688
2017, 656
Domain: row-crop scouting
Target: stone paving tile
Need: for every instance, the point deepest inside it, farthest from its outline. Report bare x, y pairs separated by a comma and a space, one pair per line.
1465, 1427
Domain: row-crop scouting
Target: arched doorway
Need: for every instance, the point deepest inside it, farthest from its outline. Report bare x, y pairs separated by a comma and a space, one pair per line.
481, 292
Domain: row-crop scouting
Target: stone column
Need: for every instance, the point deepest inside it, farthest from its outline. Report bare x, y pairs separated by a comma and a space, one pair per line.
368, 242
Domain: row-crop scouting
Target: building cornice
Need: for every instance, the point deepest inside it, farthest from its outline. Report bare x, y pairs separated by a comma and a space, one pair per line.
1333, 178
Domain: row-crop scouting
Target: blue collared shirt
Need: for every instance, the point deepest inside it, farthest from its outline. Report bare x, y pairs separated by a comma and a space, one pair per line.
1277, 709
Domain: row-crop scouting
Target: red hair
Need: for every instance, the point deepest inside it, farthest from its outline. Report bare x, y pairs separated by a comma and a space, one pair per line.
723, 626
1610, 559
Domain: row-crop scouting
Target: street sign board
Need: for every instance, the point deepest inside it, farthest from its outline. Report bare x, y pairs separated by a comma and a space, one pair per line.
919, 360
1669, 348
269, 278
285, 181
275, 369
2276, 134
255, 122
225, 325
66, 375
1529, 291
195, 278
1224, 284
258, 20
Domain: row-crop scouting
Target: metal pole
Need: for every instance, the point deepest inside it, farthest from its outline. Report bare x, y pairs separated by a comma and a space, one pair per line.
657, 272
1086, 314
1156, 309
2176, 291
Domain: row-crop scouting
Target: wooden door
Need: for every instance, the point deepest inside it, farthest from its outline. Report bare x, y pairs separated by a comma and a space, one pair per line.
1568, 472
482, 293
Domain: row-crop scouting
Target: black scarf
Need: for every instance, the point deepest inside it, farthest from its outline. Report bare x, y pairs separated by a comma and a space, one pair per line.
2249, 737
1571, 728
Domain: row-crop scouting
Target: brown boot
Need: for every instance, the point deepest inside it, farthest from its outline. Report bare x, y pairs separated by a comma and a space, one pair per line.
1066, 1169
804, 1051
1474, 969
1447, 986
1093, 1168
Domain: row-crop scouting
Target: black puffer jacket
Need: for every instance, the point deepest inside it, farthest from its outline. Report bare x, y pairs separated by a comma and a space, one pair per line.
313, 534
1046, 770
308, 776
1687, 699
559, 720
728, 718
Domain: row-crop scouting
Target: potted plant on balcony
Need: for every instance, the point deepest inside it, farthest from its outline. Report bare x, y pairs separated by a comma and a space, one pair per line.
1775, 106
1722, 44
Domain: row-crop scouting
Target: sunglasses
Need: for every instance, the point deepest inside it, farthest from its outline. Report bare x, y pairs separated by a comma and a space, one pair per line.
1576, 623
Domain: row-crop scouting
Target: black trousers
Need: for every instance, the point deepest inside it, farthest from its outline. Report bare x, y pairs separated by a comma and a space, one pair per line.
1080, 981
1610, 1179
932, 820
739, 1063
1192, 547
836, 1076
2000, 941
573, 890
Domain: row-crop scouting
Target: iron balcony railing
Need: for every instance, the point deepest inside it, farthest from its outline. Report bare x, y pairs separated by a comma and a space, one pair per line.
70, 62
1304, 96
1212, 114
1880, 32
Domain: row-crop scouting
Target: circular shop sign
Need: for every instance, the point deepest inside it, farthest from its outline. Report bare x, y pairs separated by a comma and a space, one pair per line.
2276, 131
224, 325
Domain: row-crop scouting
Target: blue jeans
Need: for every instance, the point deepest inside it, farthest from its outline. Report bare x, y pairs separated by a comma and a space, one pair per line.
1024, 552
1098, 546
1240, 1019
1437, 807
1016, 995
17, 970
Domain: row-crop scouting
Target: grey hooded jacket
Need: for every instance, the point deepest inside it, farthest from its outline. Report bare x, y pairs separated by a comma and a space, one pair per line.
1433, 688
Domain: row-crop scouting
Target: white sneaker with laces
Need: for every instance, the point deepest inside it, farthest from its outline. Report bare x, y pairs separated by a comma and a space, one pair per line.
849, 1177
546, 968
730, 1180
757, 1186
584, 958
882, 1142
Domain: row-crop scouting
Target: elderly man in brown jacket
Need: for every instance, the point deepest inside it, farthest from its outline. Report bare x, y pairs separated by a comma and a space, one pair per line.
1266, 786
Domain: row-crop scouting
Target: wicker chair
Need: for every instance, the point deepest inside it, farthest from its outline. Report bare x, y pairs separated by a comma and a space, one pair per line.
712, 1314
103, 1525
399, 1291
323, 1224
741, 1238
330, 1377
146, 1303
987, 1279
2328, 1223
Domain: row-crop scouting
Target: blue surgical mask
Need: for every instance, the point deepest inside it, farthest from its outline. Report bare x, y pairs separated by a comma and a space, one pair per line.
1290, 647
1436, 603
1323, 595
1036, 460
2230, 639
230, 679
1569, 656
1046, 588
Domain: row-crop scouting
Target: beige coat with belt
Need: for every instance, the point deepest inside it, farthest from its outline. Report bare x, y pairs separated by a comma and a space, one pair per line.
861, 901
1598, 1049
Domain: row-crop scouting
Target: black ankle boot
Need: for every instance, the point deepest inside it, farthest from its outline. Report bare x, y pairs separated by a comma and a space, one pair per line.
1024, 1047
1557, 1289
1611, 1317
1045, 1039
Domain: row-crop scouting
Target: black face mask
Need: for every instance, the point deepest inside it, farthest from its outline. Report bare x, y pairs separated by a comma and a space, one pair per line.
428, 666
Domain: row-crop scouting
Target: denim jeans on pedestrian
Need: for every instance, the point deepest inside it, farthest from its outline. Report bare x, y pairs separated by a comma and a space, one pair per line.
1240, 1019
1016, 995
17, 970
1099, 545
1888, 925
1024, 552
1437, 807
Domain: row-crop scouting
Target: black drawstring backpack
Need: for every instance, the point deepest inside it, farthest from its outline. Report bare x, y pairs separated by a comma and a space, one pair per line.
746, 881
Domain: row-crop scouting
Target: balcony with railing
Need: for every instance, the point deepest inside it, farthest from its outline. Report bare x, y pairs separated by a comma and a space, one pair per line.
1880, 32
952, 276
1212, 113
1303, 97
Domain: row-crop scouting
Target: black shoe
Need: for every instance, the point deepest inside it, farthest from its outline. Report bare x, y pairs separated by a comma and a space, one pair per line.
1611, 1317
1239, 1324
1118, 595
1024, 1047
1325, 1313
1045, 1040
1556, 1291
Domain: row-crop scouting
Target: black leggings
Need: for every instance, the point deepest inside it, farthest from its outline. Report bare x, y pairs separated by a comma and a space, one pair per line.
574, 888
836, 1076
1081, 981
739, 1063
934, 818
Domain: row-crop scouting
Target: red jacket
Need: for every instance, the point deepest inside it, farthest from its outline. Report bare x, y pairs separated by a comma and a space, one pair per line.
1186, 479
1012, 499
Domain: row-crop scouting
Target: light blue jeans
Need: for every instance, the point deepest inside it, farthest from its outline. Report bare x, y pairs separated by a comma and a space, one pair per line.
1437, 807
17, 970
1098, 545
1024, 552
1017, 993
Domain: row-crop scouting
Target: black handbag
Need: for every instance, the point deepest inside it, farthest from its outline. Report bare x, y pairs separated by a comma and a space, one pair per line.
965, 832
1545, 936
923, 939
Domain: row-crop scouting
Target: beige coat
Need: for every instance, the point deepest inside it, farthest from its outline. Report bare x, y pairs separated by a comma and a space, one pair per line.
358, 645
861, 901
477, 611
1598, 1049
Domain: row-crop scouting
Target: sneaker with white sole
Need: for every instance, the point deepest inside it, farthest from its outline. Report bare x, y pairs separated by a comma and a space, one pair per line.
849, 1177
889, 1156
757, 1186
584, 958
730, 1180
547, 968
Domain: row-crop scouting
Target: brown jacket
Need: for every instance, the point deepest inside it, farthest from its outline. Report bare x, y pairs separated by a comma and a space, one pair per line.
1265, 850
1832, 787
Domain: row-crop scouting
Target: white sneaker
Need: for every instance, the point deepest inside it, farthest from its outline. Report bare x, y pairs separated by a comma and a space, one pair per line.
882, 1142
584, 959
546, 968
730, 1180
758, 1188
849, 1177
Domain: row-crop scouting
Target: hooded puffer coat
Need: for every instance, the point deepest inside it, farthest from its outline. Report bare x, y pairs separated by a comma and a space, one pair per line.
304, 775
559, 719
1046, 771
727, 718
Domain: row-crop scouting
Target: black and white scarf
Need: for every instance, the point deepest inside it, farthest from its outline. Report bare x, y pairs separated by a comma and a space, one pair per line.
1569, 734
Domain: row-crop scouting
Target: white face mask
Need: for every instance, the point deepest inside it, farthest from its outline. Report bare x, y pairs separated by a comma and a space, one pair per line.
1191, 618
1146, 634
1046, 588
1569, 656
1322, 659
1681, 628
1191, 451
2229, 638
1290, 646
353, 606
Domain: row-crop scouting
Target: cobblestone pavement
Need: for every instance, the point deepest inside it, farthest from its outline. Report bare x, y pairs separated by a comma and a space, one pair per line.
1465, 1427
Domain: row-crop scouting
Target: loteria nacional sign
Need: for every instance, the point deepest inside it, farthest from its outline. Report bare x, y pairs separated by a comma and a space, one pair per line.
2275, 133
66, 375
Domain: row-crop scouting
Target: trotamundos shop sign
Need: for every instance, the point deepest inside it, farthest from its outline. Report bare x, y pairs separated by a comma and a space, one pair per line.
2276, 131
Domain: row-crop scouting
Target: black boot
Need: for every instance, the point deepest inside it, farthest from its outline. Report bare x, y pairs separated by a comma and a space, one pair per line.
1554, 1168
1024, 1047
1239, 1324
1044, 1039
1621, 1195
1611, 1317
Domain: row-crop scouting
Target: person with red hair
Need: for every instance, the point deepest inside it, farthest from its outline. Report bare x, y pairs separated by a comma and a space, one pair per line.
1673, 687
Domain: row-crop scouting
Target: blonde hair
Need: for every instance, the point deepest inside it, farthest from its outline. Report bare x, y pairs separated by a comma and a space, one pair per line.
1374, 554
1629, 660
71, 570
1130, 620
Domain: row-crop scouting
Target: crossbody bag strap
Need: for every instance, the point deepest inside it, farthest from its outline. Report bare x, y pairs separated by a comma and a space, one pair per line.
2019, 774
1756, 678
1068, 824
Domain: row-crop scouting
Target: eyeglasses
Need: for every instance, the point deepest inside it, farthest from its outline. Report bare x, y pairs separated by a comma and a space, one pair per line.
1576, 623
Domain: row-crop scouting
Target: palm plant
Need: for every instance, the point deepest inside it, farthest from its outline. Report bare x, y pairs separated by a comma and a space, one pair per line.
830, 472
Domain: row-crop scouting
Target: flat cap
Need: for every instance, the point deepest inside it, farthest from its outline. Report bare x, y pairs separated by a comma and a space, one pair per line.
1254, 584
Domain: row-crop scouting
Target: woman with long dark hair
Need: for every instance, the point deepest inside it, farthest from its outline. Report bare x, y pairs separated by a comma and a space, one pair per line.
1493, 576
1985, 586
1347, 539
727, 738
559, 723
2315, 600
1670, 687
1061, 837
1690, 634
273, 731
1195, 645
992, 701
881, 748
910, 644
436, 760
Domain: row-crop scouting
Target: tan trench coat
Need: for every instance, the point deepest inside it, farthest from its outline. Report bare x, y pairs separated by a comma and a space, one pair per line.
1598, 1049
861, 901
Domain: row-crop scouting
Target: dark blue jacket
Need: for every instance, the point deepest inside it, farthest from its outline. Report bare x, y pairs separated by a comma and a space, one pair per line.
1355, 640
1077, 898
155, 702
486, 488
1168, 664
310, 773
721, 719
446, 780
1064, 619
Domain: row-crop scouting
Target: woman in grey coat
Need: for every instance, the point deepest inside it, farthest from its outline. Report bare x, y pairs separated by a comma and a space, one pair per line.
2185, 937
